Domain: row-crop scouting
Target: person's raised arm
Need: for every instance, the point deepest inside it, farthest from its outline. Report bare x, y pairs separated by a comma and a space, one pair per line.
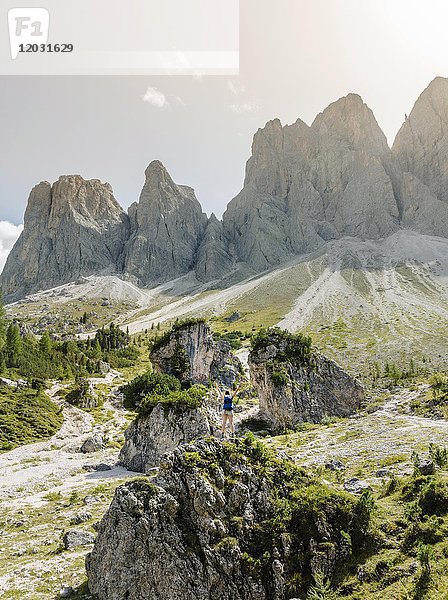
220, 393
237, 389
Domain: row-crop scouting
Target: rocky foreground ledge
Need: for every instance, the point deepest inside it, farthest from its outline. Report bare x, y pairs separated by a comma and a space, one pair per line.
223, 521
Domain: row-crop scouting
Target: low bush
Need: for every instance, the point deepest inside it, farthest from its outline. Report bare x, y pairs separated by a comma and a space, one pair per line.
149, 383
193, 397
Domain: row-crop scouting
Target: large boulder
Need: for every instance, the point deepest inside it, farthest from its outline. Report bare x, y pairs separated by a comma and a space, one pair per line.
210, 527
296, 384
165, 428
190, 353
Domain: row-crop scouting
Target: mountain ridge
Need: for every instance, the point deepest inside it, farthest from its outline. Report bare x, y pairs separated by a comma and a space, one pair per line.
304, 186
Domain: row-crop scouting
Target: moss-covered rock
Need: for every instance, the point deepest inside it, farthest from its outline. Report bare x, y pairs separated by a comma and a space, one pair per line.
228, 522
296, 384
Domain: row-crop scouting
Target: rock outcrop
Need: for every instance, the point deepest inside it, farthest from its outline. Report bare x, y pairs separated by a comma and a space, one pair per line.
213, 260
71, 228
165, 428
421, 150
167, 225
295, 384
222, 522
190, 353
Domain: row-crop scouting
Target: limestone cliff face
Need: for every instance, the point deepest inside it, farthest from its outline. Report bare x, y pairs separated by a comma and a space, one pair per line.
421, 150
305, 185
421, 145
210, 529
293, 388
167, 225
71, 228
213, 260
165, 428
190, 353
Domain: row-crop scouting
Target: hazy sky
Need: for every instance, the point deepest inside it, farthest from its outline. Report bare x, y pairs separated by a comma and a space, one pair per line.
296, 56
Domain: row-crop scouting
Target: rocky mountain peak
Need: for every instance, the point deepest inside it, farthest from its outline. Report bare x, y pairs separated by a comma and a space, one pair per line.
90, 201
350, 120
421, 144
167, 225
304, 185
156, 167
269, 136
71, 228
159, 189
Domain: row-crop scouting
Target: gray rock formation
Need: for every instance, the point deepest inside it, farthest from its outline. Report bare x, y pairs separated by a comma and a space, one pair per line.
295, 386
213, 260
190, 353
75, 538
166, 227
306, 185
93, 444
151, 436
421, 145
421, 150
71, 228
206, 530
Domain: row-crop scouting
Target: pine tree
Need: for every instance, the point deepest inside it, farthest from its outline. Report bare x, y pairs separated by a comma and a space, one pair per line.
321, 590
14, 345
45, 344
2, 324
96, 349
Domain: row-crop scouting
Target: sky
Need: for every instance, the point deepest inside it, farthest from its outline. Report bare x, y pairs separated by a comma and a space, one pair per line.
296, 56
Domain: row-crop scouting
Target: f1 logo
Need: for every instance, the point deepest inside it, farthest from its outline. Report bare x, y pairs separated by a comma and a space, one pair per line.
27, 26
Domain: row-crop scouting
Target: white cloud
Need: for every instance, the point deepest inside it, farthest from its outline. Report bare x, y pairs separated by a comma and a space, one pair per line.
235, 89
245, 107
198, 76
179, 101
8, 235
155, 97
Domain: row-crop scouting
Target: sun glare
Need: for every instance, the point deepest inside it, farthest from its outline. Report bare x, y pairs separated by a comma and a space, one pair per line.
421, 25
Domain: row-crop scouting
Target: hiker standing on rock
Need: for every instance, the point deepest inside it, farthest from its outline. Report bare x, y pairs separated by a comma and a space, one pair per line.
227, 410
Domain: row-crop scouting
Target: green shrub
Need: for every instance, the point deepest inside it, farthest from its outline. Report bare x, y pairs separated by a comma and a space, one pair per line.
296, 347
193, 397
149, 383
280, 377
433, 499
321, 590
438, 455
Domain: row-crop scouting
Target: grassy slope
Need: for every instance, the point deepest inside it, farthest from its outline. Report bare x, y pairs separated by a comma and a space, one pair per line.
26, 416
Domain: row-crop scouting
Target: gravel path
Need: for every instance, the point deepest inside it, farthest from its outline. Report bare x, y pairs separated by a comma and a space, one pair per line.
391, 431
